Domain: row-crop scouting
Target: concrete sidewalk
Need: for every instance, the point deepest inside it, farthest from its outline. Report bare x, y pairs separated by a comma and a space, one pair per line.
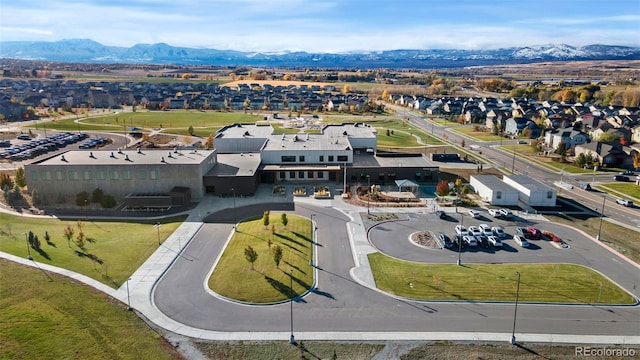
138, 290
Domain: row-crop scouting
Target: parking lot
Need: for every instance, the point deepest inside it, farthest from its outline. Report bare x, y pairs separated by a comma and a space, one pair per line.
393, 239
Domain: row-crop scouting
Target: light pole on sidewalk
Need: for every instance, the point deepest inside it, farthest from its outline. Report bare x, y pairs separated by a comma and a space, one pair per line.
459, 263
368, 193
157, 226
604, 198
515, 311
235, 220
128, 298
292, 339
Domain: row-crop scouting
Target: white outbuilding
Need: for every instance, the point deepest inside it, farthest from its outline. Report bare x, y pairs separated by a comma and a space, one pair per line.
494, 191
532, 192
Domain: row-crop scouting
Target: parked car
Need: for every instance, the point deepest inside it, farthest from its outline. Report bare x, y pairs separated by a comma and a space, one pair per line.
470, 241
441, 214
506, 212
522, 232
474, 230
474, 214
494, 240
461, 230
24, 137
521, 241
624, 202
621, 178
457, 242
586, 187
499, 232
495, 213
534, 233
445, 240
486, 229
483, 241
627, 172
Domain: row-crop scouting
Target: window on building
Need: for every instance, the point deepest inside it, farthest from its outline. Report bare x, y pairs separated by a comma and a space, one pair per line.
283, 174
45, 175
153, 175
113, 175
499, 195
34, 176
100, 175
142, 175
73, 175
343, 158
549, 194
321, 158
309, 174
320, 174
86, 175
301, 158
381, 176
330, 158
288, 159
59, 175
126, 174
418, 176
292, 174
300, 174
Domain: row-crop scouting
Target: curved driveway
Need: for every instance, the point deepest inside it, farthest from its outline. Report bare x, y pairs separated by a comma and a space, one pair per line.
340, 304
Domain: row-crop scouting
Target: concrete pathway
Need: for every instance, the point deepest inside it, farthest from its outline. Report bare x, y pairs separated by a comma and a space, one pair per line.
138, 290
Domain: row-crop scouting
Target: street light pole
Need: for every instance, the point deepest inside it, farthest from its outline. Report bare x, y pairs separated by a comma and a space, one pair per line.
513, 162
460, 241
29, 257
604, 198
515, 312
235, 219
128, 298
157, 226
292, 339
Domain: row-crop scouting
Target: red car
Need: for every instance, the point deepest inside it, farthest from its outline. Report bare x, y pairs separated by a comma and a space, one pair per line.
534, 233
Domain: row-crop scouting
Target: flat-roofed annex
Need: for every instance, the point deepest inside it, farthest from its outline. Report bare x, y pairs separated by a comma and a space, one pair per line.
128, 157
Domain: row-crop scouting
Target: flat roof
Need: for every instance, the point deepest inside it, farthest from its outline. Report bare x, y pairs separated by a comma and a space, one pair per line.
306, 142
493, 182
528, 182
240, 131
128, 157
357, 130
236, 165
365, 159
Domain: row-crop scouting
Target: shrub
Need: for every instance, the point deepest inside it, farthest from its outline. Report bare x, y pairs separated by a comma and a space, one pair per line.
96, 196
82, 198
108, 202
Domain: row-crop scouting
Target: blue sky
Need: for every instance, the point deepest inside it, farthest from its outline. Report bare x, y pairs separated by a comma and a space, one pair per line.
325, 26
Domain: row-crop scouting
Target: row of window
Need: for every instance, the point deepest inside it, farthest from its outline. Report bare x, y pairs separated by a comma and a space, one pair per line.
301, 158
302, 175
61, 175
382, 176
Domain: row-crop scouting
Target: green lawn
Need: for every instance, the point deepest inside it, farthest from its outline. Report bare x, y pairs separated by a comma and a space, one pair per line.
621, 189
398, 138
47, 316
112, 252
559, 283
479, 135
152, 119
234, 278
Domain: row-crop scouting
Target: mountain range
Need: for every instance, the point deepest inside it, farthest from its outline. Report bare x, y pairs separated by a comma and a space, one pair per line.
89, 51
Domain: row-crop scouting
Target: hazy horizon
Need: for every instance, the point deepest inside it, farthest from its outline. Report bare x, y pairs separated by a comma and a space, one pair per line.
325, 26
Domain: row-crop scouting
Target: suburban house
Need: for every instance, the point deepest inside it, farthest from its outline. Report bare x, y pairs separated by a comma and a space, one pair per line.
609, 155
568, 136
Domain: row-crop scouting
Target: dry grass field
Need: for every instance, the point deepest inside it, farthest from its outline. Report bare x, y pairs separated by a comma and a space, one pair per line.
274, 83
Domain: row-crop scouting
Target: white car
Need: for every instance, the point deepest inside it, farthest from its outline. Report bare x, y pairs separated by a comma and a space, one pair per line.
475, 231
506, 212
461, 230
495, 213
486, 229
499, 232
624, 202
494, 240
470, 240
521, 241
474, 214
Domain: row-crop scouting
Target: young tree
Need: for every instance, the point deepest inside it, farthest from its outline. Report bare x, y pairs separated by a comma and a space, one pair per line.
68, 233
20, 179
251, 255
5, 180
82, 198
191, 131
80, 239
581, 160
277, 255
442, 188
636, 160
284, 220
265, 218
96, 196
47, 237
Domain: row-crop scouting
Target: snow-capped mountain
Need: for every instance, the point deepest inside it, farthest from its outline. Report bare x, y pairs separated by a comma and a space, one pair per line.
78, 50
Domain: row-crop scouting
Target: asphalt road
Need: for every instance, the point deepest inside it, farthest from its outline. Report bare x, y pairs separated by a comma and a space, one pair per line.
341, 304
